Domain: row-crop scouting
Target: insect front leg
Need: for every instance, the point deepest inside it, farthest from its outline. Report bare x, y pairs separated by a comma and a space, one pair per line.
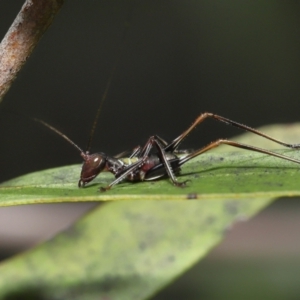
122, 170
131, 169
124, 173
134, 169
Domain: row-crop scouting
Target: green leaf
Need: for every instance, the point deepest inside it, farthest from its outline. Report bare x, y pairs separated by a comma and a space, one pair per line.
123, 250
227, 175
131, 249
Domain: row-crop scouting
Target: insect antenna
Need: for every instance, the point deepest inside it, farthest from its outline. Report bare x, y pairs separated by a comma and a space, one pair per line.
111, 75
61, 134
103, 98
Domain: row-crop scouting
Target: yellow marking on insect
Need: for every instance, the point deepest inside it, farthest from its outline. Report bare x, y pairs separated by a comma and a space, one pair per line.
129, 161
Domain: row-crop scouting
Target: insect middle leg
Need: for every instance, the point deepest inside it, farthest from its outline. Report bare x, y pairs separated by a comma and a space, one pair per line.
138, 151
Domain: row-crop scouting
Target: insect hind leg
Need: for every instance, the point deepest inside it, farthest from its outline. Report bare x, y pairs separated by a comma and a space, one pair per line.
177, 141
234, 144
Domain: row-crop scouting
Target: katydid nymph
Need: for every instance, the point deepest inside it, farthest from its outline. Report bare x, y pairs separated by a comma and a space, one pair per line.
158, 158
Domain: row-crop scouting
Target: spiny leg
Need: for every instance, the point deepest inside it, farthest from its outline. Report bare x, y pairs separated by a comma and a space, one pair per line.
234, 144
132, 168
176, 142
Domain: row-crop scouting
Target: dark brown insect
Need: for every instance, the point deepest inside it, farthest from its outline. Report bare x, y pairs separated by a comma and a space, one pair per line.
158, 158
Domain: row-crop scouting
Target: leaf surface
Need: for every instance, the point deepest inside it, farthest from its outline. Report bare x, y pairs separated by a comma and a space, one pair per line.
226, 175
123, 250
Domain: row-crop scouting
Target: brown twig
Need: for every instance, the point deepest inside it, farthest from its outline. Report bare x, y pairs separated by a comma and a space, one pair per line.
22, 37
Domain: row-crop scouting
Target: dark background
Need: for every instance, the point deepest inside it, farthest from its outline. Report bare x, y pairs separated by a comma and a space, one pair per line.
239, 59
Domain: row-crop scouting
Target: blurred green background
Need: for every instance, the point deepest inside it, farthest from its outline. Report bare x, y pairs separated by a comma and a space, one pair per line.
239, 59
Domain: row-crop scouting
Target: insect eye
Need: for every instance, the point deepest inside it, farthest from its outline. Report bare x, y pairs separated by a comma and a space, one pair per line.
96, 161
